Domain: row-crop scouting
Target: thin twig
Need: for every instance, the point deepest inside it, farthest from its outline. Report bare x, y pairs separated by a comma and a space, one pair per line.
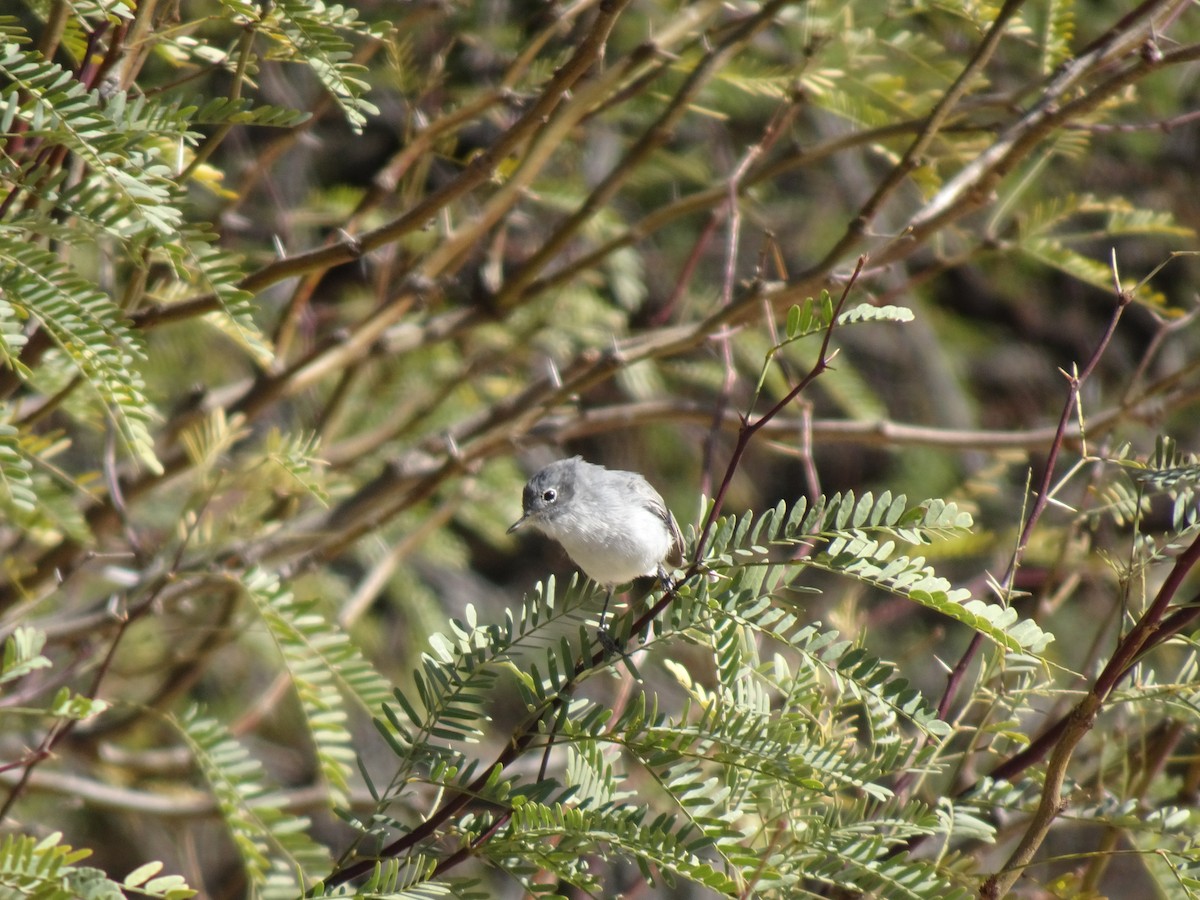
1041, 496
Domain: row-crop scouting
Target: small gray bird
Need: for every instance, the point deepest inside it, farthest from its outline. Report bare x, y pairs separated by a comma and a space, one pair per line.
612, 524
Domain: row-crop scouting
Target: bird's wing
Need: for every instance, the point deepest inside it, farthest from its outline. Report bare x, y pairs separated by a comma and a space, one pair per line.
643, 489
675, 556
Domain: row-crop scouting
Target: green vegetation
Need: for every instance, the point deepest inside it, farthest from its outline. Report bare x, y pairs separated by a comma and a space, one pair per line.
893, 301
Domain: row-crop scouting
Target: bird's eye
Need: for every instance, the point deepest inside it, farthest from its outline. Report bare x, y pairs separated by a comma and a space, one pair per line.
550, 495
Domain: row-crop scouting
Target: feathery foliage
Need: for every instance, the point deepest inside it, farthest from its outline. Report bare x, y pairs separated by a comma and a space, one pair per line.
47, 869
274, 846
324, 667
787, 743
293, 295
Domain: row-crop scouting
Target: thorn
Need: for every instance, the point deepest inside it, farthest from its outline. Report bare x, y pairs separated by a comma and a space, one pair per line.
351, 242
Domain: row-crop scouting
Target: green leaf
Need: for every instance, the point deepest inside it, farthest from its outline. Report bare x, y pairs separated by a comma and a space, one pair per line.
88, 330
274, 846
54, 106
312, 34
324, 666
23, 653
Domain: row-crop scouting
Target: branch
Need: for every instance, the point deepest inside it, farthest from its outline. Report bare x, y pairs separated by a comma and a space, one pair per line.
649, 141
747, 432
1066, 734
912, 158
178, 803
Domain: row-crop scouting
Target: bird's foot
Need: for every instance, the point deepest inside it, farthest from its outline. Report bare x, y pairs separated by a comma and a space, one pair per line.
609, 641
664, 577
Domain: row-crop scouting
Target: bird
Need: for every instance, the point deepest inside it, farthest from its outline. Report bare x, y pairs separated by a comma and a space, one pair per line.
613, 524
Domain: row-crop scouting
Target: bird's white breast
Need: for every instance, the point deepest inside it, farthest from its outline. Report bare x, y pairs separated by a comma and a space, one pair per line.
614, 552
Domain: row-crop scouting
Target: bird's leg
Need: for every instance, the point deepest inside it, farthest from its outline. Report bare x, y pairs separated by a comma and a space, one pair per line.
604, 609
607, 640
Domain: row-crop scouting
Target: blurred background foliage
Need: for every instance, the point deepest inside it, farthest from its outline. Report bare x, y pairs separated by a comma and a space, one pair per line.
295, 296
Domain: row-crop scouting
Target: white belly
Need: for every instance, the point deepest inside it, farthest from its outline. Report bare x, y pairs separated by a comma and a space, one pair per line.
617, 553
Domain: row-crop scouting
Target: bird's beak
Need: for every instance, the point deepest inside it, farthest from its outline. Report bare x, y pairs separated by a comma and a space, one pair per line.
517, 524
